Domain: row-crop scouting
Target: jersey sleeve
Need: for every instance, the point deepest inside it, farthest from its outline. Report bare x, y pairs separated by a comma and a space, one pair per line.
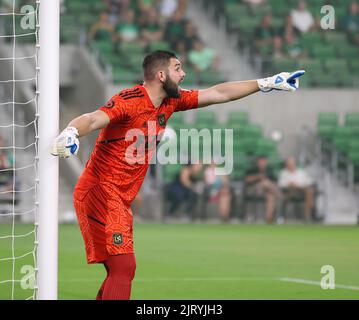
187, 101
115, 108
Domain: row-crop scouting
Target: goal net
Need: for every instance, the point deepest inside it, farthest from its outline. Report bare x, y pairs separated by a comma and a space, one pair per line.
20, 150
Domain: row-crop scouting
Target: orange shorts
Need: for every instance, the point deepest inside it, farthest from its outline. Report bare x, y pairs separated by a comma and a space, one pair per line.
105, 221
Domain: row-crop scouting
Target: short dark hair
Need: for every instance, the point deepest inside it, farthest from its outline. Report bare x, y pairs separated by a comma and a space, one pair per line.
154, 61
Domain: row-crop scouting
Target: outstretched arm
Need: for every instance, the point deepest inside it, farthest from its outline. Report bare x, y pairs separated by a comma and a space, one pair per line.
230, 91
226, 92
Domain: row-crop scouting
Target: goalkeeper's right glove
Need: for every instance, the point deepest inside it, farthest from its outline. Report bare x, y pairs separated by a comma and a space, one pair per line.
283, 81
67, 143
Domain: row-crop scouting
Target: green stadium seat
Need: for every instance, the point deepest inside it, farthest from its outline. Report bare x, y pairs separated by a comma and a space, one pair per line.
322, 51
336, 66
233, 10
314, 66
352, 119
280, 8
282, 64
131, 48
354, 66
342, 138
205, 119
354, 146
77, 7
328, 119
336, 38
246, 145
309, 39
176, 121
326, 132
348, 52
237, 118
265, 146
159, 45
251, 131
209, 77
121, 75
104, 46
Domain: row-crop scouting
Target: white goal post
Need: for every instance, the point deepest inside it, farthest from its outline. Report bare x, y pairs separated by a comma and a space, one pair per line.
47, 254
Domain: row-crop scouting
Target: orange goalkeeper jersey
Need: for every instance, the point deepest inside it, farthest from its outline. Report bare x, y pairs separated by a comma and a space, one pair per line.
122, 161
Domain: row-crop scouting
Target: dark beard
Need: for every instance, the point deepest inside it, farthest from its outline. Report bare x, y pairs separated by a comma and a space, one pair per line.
171, 88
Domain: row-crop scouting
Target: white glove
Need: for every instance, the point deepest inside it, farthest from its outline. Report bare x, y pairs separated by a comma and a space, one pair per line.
283, 81
67, 143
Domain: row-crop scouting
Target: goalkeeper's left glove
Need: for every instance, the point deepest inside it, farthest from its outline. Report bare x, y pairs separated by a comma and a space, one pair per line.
283, 81
67, 143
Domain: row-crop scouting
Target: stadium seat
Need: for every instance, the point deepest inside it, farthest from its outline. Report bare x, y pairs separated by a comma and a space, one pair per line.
209, 77
244, 145
265, 147
310, 39
176, 121
205, 119
326, 132
348, 52
237, 118
328, 118
336, 66
284, 65
336, 38
253, 131
312, 65
342, 138
352, 119
322, 51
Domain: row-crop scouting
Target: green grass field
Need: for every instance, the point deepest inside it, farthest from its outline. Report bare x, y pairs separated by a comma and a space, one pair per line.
183, 261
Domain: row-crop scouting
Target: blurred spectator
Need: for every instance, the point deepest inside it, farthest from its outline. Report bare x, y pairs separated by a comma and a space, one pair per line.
144, 5
255, 2
181, 52
296, 183
277, 48
6, 159
6, 162
115, 8
190, 35
201, 57
288, 27
150, 27
351, 22
127, 29
102, 29
303, 20
217, 190
292, 47
174, 28
264, 33
168, 7
136, 206
260, 181
183, 188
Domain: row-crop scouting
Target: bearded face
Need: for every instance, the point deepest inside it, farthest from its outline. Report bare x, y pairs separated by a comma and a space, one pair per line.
171, 88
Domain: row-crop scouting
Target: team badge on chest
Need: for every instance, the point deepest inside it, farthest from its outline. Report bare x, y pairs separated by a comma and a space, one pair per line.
161, 119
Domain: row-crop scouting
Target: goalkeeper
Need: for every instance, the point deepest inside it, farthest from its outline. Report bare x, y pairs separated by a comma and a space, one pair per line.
110, 182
